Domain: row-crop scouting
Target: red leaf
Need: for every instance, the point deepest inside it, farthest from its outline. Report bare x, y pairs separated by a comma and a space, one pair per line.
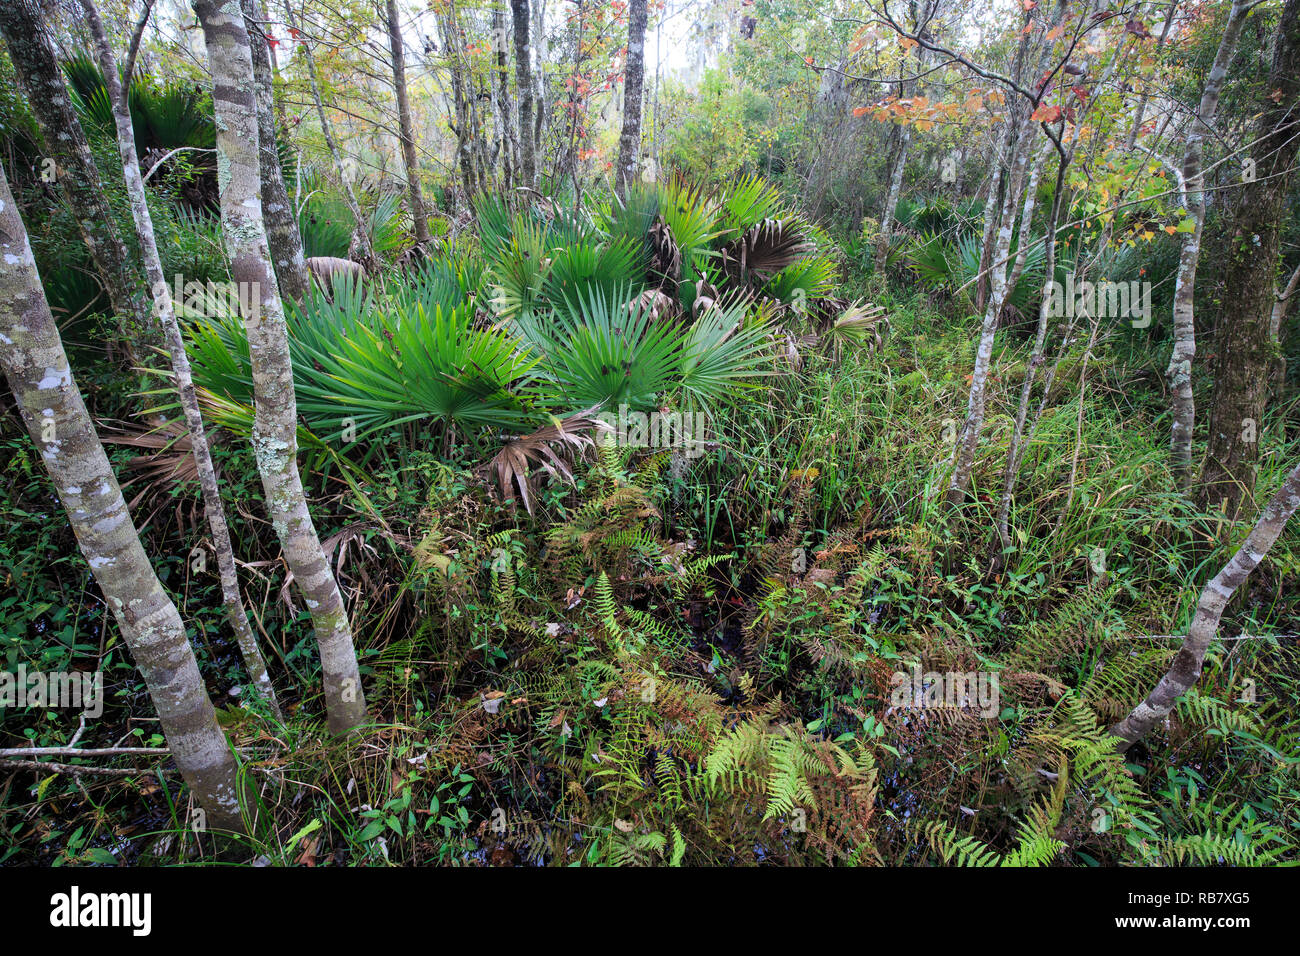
1046, 114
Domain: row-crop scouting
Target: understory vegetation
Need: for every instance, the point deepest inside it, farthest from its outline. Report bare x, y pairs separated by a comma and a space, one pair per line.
583, 642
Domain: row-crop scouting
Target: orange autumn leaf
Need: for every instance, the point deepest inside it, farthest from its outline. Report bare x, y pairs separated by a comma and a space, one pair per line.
1046, 114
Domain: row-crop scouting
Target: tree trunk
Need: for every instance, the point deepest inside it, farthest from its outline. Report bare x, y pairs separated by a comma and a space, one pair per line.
1142, 100
1281, 304
524, 80
40, 378
891, 198
1016, 447
1027, 218
32, 51
629, 143
1244, 350
505, 109
968, 439
412, 163
367, 250
463, 123
1186, 668
275, 439
1179, 373
278, 212
212, 506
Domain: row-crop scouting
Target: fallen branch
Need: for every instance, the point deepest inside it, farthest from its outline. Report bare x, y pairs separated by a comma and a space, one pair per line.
80, 752
1186, 668
80, 769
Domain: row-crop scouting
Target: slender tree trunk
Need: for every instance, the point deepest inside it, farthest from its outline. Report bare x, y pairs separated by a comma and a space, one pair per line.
891, 198
505, 109
1186, 668
275, 439
462, 124
278, 212
1244, 350
215, 511
1281, 304
32, 51
412, 163
1142, 100
629, 143
349, 195
1179, 373
992, 207
541, 114
968, 439
524, 80
1016, 448
37, 371
1027, 218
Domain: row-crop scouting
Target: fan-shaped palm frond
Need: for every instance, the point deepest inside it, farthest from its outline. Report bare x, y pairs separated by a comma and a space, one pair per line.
551, 448
598, 349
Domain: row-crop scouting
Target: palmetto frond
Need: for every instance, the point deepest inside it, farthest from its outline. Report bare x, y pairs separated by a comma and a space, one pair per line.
602, 349
762, 251
552, 449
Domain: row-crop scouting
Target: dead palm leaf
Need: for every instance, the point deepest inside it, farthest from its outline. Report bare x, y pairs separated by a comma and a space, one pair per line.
763, 250
665, 254
552, 449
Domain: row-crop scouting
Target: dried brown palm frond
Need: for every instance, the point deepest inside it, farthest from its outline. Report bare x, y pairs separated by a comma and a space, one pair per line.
552, 449
169, 456
665, 254
763, 250
166, 466
706, 296
659, 305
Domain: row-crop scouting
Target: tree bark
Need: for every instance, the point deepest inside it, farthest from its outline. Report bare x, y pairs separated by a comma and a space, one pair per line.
968, 439
31, 49
891, 198
412, 164
1281, 305
277, 211
275, 440
1017, 445
504, 108
1244, 350
163, 308
629, 142
463, 124
1179, 373
1186, 668
524, 80
37, 371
